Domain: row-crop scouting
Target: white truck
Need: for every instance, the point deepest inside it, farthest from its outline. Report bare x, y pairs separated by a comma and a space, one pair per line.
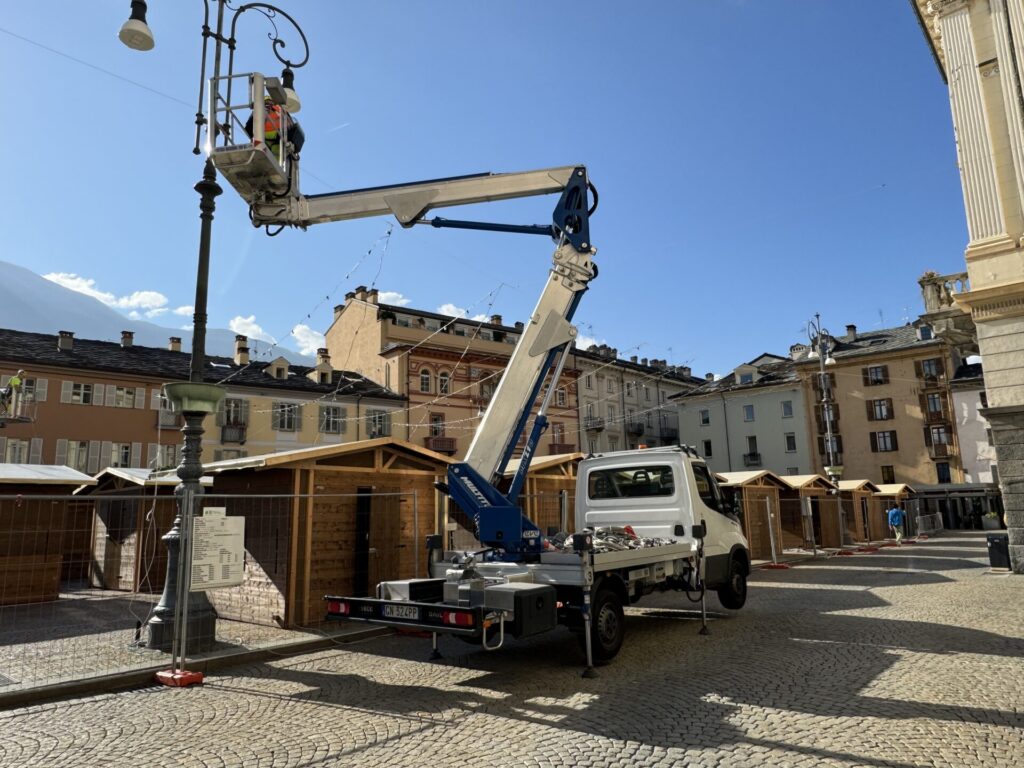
646, 520
665, 498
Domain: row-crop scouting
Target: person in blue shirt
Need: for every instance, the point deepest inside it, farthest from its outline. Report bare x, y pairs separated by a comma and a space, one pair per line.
896, 523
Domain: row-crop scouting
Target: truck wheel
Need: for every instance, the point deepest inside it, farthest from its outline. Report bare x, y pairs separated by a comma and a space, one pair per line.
607, 626
733, 594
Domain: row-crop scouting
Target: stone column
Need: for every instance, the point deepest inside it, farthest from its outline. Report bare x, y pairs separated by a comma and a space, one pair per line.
1008, 435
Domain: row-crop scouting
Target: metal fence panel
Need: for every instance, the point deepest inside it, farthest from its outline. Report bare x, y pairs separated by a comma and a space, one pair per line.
82, 579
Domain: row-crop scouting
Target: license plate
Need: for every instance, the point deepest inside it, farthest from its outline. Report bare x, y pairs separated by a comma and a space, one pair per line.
401, 612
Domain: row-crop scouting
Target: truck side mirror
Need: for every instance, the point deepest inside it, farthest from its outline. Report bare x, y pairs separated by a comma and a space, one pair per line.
699, 531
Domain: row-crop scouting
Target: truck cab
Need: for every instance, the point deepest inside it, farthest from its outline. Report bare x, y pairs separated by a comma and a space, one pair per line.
664, 493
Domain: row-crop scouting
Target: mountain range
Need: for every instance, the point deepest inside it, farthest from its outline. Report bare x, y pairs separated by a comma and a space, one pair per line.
29, 302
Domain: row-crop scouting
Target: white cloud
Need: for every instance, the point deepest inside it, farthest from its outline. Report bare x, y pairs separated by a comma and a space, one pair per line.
187, 327
141, 300
480, 318
81, 285
451, 310
185, 310
309, 340
392, 297
586, 342
153, 302
249, 327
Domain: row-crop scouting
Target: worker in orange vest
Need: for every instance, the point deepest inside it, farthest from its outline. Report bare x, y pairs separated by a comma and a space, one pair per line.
275, 118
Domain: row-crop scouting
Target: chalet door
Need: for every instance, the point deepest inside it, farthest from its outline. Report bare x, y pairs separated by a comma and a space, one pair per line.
385, 537
361, 557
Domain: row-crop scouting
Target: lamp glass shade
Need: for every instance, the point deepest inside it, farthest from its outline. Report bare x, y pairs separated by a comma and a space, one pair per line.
136, 35
292, 103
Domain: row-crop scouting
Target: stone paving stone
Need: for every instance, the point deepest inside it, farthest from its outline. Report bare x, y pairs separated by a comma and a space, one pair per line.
910, 659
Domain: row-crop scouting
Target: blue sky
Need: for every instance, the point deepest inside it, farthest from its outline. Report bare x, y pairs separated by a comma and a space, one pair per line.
757, 162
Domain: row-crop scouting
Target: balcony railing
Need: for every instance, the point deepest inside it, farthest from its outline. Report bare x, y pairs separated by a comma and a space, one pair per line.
557, 448
593, 423
938, 290
940, 450
233, 433
440, 444
751, 459
933, 379
669, 433
936, 417
635, 428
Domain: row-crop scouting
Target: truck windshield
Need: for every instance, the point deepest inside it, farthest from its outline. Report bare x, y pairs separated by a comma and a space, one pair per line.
625, 482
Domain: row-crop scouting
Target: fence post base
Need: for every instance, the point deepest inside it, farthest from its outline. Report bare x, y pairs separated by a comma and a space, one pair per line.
181, 678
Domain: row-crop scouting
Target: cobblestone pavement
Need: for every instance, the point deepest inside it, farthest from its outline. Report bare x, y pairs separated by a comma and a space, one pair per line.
904, 657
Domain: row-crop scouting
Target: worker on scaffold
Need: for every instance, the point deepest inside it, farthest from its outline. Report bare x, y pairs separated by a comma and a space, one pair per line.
10, 393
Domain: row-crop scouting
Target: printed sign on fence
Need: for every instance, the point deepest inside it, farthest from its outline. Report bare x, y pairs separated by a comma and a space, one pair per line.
218, 552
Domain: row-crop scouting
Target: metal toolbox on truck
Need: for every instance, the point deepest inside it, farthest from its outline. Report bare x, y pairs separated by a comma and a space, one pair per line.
533, 606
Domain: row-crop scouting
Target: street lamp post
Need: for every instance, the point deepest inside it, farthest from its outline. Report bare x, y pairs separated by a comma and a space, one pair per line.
821, 350
822, 345
185, 622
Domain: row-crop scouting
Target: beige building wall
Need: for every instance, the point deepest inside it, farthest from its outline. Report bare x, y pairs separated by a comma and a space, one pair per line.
914, 460
979, 46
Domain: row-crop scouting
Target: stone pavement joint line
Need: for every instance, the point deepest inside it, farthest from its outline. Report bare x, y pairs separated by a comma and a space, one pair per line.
910, 658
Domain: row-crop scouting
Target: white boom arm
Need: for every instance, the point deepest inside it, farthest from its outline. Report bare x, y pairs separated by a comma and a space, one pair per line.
547, 330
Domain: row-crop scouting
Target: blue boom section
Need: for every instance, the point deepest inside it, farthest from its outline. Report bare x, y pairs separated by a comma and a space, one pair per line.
499, 523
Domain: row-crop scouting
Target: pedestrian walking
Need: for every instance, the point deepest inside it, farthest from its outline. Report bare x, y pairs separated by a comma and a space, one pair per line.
896, 524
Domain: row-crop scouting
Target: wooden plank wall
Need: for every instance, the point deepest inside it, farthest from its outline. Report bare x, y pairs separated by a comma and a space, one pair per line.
31, 535
393, 532
756, 500
262, 597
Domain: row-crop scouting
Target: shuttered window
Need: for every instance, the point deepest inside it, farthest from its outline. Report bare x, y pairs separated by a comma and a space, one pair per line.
875, 375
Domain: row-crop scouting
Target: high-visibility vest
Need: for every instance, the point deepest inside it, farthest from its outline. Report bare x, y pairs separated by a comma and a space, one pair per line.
272, 124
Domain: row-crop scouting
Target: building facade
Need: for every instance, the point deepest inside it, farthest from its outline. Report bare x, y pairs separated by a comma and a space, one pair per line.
886, 400
96, 404
625, 404
979, 48
448, 369
973, 430
752, 419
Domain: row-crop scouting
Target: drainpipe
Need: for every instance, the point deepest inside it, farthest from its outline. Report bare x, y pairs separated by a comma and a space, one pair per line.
725, 418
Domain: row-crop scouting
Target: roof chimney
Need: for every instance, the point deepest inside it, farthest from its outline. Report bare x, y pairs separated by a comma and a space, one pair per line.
519, 325
643, 361
361, 292
323, 356
685, 370
632, 358
851, 332
65, 340
174, 344
709, 377
241, 350
495, 319
127, 337
338, 308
